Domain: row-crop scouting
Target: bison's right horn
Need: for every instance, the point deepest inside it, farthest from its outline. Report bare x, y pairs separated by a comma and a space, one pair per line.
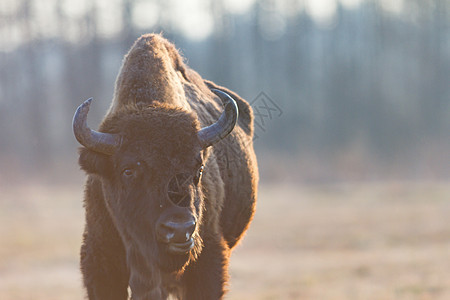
106, 143
217, 131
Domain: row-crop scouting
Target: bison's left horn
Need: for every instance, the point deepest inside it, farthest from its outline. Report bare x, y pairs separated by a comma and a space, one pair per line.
106, 143
217, 131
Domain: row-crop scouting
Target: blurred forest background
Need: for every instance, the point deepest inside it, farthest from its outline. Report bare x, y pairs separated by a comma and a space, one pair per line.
351, 89
352, 106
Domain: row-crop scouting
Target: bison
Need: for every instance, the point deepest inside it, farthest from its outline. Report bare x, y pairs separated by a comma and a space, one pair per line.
171, 181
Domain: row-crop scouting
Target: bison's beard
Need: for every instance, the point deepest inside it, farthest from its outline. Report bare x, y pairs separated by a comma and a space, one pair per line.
158, 255
169, 262
151, 263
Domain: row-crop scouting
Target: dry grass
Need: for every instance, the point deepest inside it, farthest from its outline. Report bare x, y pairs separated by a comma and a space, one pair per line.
371, 241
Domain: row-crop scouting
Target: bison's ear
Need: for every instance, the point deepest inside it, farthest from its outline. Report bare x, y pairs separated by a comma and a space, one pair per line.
95, 163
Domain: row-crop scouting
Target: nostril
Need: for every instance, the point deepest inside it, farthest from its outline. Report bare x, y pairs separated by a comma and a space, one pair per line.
165, 233
190, 228
187, 230
170, 235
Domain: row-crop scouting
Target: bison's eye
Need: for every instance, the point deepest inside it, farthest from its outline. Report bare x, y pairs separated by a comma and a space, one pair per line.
131, 170
128, 173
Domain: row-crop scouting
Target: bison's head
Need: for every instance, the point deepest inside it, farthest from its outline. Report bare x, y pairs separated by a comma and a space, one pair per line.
150, 160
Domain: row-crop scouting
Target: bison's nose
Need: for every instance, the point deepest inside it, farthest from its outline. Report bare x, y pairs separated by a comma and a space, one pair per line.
173, 232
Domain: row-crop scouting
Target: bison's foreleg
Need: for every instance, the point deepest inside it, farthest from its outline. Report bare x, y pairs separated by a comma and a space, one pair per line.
103, 261
104, 275
207, 277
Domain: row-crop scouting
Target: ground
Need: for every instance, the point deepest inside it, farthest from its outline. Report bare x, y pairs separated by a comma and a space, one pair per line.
342, 241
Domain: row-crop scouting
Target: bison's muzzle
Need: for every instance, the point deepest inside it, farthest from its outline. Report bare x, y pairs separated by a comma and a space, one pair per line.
175, 230
177, 236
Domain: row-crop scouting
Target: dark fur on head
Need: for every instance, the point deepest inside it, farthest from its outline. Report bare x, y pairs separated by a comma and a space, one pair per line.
164, 140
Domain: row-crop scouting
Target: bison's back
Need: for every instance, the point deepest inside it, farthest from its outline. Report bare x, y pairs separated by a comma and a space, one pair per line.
234, 155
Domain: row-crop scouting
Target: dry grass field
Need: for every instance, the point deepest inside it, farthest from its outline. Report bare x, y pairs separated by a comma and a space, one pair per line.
349, 241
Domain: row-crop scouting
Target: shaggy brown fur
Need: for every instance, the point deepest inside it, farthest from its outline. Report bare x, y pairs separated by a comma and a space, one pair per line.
159, 106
